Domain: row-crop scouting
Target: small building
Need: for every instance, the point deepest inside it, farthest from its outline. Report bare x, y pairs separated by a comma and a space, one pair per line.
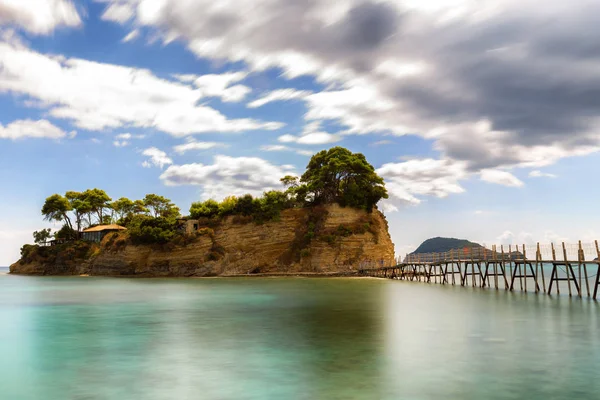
97, 233
188, 226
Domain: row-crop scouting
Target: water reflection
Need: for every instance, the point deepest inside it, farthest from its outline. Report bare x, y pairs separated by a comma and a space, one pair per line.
471, 343
217, 339
72, 338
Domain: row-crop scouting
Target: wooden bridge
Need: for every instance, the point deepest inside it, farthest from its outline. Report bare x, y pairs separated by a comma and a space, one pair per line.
505, 268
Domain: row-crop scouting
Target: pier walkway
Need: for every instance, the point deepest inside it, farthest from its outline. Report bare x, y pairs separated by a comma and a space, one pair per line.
572, 267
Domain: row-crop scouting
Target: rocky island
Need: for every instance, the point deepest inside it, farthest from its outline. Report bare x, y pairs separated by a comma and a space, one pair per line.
325, 222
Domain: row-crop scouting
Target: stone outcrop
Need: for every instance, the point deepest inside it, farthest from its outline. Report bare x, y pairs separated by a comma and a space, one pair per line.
327, 239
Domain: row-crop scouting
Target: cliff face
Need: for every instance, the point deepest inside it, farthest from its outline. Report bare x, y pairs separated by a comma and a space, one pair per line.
317, 240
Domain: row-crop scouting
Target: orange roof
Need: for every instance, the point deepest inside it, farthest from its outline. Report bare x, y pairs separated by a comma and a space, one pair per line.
101, 228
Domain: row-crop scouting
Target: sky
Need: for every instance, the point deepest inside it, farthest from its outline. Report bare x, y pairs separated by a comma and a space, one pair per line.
482, 116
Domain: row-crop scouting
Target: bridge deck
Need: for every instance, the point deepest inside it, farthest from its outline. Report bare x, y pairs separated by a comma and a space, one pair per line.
488, 268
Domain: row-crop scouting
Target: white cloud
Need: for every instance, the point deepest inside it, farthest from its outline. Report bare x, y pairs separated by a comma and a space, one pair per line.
279, 95
39, 17
193, 145
425, 177
124, 139
279, 147
220, 85
314, 138
96, 96
131, 36
275, 147
509, 238
32, 129
387, 206
540, 174
118, 12
381, 143
311, 135
227, 176
158, 158
552, 237
500, 177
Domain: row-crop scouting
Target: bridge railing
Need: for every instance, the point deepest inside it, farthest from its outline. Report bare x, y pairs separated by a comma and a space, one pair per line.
571, 252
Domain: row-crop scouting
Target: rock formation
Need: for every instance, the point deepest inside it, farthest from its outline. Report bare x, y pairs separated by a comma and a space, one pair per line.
326, 239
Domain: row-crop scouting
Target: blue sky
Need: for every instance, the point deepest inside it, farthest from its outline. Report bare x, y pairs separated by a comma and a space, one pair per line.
482, 118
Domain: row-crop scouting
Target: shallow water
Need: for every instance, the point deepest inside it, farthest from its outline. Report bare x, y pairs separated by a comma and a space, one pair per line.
275, 338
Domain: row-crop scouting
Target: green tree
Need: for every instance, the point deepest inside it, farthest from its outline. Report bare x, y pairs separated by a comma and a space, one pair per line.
123, 207
204, 209
160, 206
56, 208
245, 205
79, 206
139, 207
98, 201
41, 237
290, 181
270, 205
66, 232
338, 175
227, 206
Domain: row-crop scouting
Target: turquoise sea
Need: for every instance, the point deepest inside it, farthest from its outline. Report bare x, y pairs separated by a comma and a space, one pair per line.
290, 338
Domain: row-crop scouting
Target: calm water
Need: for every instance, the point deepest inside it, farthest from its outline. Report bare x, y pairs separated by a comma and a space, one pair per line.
95, 338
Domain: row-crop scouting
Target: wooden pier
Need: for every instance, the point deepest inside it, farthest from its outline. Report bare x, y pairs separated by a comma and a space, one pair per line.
509, 268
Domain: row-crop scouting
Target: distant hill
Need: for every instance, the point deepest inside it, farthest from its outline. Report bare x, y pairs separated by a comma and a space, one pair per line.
440, 245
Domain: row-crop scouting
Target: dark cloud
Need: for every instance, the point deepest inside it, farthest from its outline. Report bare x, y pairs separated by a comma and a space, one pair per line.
367, 25
532, 72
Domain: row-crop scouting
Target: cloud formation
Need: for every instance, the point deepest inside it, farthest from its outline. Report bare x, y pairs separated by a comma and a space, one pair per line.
495, 85
410, 180
97, 96
540, 174
194, 145
22, 129
157, 158
228, 176
501, 178
39, 17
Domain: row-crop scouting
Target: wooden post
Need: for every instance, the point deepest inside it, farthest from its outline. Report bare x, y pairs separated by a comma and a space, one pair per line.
539, 260
502, 264
567, 267
554, 272
472, 267
582, 261
597, 270
524, 267
510, 273
460, 269
495, 254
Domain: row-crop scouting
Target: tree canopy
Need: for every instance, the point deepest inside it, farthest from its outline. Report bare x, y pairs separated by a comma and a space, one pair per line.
338, 175
160, 206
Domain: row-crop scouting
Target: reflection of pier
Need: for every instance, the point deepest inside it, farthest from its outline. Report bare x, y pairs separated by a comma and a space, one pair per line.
504, 268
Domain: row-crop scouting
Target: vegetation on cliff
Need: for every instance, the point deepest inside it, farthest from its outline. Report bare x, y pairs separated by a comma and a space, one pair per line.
332, 176
441, 245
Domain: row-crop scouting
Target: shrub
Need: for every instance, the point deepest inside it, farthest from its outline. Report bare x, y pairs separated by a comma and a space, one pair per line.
305, 253
227, 206
28, 250
206, 209
245, 205
148, 230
